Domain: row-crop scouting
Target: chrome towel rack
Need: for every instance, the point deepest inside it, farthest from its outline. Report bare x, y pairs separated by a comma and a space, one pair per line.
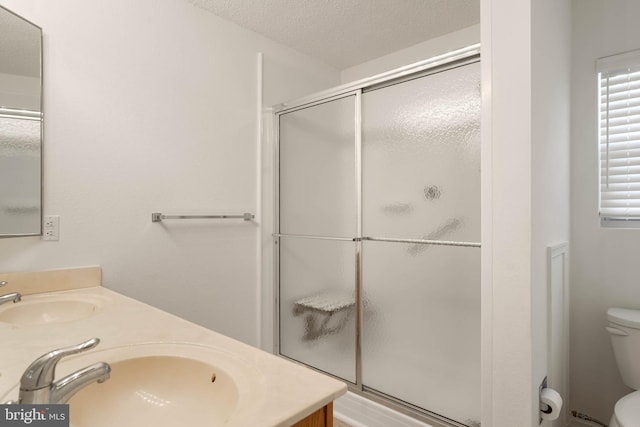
158, 217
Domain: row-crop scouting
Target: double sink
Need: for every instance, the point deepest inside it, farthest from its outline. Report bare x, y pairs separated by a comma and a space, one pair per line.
156, 383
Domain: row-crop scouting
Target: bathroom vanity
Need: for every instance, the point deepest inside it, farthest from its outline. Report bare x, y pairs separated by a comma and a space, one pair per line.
323, 417
164, 369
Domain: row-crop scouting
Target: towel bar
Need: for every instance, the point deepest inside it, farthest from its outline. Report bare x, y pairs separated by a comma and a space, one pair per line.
157, 217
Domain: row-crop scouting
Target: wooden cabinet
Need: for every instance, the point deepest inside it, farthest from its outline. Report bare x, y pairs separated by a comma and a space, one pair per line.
323, 417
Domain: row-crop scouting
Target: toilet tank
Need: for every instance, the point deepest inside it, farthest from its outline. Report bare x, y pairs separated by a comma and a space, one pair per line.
624, 328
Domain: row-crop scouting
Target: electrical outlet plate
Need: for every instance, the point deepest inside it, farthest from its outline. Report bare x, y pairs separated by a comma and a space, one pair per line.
51, 228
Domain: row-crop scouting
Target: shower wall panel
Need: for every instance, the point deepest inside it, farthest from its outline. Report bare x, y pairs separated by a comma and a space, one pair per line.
421, 157
317, 273
317, 170
421, 180
421, 328
317, 306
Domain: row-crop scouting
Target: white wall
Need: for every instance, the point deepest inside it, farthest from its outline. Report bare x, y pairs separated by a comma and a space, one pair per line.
506, 212
525, 194
151, 106
604, 261
550, 159
419, 52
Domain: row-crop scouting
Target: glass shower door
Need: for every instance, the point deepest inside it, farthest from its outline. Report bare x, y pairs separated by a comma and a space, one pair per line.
378, 236
317, 225
421, 262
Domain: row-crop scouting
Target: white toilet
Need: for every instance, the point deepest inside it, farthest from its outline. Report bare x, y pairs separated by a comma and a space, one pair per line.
624, 328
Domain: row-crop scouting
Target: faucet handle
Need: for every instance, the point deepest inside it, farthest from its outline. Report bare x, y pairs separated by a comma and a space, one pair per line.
3, 283
41, 373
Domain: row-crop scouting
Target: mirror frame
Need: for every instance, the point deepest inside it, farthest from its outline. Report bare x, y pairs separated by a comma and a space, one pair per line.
42, 125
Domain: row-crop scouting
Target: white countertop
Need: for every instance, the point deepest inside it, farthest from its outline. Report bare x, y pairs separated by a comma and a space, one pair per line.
289, 392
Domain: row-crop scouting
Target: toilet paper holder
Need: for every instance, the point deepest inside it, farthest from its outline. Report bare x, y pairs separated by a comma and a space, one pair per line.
550, 402
542, 406
545, 409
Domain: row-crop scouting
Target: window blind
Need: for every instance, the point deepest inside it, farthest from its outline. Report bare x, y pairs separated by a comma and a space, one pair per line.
619, 136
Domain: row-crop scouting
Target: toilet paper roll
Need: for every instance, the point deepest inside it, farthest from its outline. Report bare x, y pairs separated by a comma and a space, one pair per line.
551, 404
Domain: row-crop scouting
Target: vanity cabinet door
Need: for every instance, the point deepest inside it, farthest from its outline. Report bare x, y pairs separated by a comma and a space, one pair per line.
323, 417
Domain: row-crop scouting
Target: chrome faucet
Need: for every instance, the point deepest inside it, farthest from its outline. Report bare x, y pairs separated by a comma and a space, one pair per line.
14, 296
38, 385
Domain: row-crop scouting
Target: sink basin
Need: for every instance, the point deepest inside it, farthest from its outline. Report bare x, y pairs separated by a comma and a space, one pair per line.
165, 385
157, 390
50, 308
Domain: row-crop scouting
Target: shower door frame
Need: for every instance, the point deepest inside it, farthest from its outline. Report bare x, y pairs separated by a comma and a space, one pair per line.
454, 59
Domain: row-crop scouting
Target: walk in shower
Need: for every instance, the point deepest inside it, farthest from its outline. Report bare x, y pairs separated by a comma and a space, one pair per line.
377, 236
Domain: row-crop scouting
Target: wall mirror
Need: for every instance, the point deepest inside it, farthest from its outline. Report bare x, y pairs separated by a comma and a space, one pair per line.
21, 126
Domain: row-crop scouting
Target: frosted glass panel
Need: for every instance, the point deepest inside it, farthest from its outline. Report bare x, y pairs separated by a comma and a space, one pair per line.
421, 180
421, 326
20, 176
317, 311
421, 157
317, 170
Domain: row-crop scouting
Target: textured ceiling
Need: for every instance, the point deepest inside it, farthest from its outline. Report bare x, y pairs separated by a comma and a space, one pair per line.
343, 33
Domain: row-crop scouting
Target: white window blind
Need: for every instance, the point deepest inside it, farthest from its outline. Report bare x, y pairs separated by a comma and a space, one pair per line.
619, 126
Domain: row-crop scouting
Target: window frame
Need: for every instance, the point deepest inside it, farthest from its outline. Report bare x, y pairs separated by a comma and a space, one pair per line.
610, 67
